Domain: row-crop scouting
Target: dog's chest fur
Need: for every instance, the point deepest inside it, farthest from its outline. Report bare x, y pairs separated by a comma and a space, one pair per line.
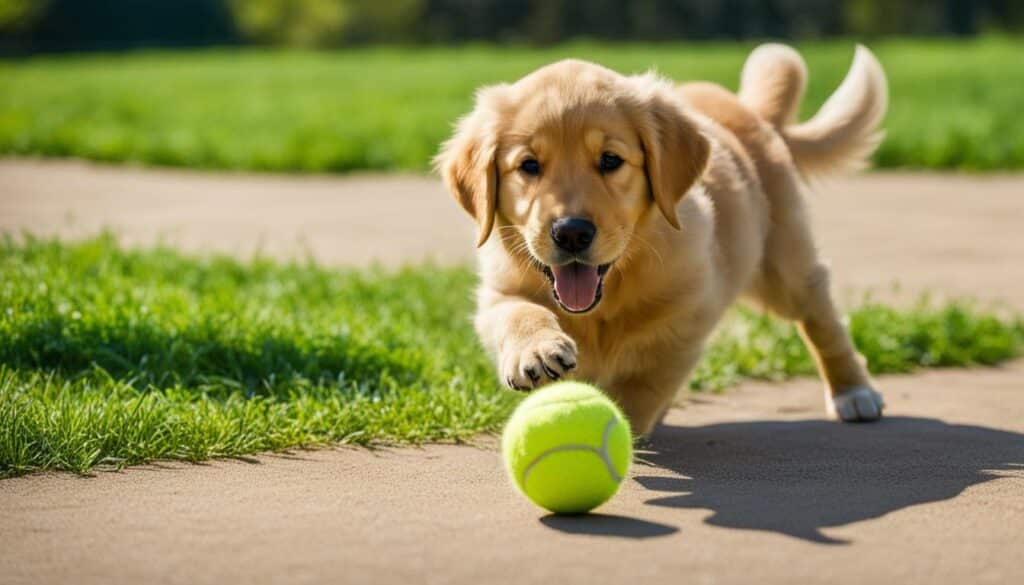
637, 340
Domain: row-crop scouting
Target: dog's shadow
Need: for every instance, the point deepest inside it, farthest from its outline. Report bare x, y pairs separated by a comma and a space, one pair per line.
797, 478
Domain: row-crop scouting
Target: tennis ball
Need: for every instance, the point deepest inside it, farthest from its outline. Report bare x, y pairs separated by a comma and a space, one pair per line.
567, 447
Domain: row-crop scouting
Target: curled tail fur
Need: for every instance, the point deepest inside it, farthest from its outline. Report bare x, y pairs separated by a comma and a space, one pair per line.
843, 134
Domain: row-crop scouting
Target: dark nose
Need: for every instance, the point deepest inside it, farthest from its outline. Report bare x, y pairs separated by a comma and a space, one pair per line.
573, 234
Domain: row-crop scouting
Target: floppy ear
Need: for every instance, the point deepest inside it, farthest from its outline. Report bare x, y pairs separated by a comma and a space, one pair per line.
466, 163
676, 152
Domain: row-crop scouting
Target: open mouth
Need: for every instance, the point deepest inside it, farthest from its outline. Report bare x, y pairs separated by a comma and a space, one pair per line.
577, 286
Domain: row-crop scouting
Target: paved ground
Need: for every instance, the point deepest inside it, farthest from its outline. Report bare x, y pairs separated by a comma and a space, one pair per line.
752, 486
962, 234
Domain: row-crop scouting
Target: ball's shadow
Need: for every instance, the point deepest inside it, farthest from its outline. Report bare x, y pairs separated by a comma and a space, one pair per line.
607, 525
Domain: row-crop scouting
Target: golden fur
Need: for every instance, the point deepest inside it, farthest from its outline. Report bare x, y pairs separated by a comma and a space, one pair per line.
707, 207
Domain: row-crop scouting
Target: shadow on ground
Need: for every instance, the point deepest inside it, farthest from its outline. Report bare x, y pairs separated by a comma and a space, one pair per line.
607, 525
799, 477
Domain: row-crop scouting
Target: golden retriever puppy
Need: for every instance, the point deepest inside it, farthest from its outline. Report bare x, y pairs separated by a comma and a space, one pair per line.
620, 216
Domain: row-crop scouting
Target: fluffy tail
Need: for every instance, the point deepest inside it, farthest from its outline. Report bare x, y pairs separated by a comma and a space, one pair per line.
843, 134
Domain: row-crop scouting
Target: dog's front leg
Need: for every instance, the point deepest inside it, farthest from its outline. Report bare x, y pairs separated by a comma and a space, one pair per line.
525, 339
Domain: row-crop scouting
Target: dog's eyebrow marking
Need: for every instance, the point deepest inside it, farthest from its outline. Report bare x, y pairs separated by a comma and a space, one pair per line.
631, 154
594, 139
539, 145
512, 156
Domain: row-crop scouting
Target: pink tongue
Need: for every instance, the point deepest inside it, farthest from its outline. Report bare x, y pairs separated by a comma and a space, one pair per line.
576, 285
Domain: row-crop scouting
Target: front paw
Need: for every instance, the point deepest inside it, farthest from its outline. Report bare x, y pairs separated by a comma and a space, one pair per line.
544, 357
857, 404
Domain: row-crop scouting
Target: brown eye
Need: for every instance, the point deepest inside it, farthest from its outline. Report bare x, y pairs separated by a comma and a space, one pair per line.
530, 166
610, 162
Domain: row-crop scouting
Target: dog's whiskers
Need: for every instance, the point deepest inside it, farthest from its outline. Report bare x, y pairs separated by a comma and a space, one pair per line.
653, 249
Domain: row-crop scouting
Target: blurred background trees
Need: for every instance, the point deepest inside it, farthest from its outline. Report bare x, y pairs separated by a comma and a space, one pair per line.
290, 22
28, 26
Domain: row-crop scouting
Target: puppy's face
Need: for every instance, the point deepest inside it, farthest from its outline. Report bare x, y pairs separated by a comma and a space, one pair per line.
569, 160
571, 187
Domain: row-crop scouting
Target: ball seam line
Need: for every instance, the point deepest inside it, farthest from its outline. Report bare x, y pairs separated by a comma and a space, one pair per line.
605, 439
602, 453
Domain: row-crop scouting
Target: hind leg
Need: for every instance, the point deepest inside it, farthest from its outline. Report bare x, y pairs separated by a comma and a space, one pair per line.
795, 284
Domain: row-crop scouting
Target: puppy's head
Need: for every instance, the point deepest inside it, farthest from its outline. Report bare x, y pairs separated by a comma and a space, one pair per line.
567, 163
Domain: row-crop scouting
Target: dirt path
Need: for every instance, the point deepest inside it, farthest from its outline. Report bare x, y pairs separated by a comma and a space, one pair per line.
752, 486
959, 234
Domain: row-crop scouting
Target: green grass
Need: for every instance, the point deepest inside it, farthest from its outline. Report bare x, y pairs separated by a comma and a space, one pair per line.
955, 104
113, 357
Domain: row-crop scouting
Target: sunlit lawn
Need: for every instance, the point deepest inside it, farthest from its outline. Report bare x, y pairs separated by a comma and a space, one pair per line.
114, 357
955, 104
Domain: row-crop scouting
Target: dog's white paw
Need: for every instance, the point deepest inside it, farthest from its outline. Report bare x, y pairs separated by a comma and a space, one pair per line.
544, 357
857, 404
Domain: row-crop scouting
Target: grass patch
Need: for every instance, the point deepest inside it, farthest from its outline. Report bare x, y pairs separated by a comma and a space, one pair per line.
115, 357
954, 102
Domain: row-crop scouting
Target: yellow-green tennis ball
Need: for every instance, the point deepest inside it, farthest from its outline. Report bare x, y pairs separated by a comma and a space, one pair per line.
567, 447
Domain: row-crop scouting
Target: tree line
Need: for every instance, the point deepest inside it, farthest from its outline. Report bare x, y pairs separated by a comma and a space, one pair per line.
30, 26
